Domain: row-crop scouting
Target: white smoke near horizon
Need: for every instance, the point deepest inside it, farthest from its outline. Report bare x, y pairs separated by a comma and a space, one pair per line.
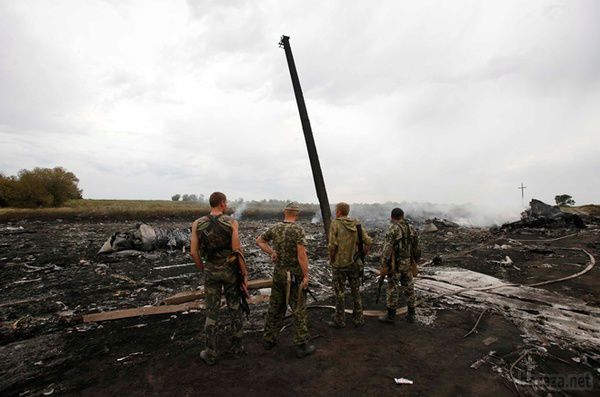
463, 214
378, 214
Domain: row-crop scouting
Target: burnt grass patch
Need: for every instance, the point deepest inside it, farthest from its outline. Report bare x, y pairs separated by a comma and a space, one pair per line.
51, 275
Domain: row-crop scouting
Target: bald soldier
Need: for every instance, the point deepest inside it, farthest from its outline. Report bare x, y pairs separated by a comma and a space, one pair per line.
214, 239
286, 245
347, 238
401, 245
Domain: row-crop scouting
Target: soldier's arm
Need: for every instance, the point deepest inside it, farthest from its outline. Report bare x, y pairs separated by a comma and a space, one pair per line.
195, 247
368, 241
333, 244
302, 257
303, 260
388, 244
236, 246
263, 244
235, 237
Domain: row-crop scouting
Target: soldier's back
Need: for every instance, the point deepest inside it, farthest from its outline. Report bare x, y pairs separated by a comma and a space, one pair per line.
346, 238
285, 237
204, 221
215, 233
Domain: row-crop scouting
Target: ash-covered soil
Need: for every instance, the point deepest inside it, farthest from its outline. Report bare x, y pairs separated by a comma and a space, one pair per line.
51, 275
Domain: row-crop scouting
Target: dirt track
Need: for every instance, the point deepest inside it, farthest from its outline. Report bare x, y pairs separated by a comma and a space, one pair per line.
54, 266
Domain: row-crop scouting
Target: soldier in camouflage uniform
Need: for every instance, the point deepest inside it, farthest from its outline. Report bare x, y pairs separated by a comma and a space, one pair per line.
214, 239
290, 280
400, 243
347, 264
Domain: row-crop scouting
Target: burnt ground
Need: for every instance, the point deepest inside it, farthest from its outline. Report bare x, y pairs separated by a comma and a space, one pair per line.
50, 274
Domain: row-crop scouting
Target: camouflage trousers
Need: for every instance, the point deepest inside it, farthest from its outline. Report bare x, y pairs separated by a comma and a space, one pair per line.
340, 277
222, 279
277, 309
395, 279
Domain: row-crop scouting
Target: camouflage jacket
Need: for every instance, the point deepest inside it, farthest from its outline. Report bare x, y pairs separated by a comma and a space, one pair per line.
343, 241
284, 238
225, 221
396, 232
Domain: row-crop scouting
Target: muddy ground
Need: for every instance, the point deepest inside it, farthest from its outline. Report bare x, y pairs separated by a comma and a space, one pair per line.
50, 275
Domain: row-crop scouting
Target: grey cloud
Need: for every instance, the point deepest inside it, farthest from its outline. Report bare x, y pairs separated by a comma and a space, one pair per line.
39, 89
431, 102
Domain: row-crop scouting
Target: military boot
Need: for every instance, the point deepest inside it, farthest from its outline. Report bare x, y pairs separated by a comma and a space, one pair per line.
335, 324
358, 320
389, 318
269, 344
237, 349
304, 350
208, 358
410, 315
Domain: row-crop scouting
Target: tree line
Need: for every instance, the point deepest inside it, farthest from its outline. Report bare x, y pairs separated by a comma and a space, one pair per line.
40, 187
189, 197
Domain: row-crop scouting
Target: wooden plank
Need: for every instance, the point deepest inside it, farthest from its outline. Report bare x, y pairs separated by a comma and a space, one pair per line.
142, 311
181, 297
187, 296
163, 309
260, 283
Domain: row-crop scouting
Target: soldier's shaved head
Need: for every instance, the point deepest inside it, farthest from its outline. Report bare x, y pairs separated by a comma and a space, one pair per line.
342, 208
216, 199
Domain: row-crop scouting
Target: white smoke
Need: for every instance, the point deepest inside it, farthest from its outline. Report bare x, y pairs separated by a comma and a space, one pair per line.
317, 218
418, 213
239, 211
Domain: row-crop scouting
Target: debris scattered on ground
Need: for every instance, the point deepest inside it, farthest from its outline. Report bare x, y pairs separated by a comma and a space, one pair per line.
505, 261
129, 355
52, 279
474, 329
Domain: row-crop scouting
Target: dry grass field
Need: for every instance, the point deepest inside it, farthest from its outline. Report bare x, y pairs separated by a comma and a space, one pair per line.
141, 209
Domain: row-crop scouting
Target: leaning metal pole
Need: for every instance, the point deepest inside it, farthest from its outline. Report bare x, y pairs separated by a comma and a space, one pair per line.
308, 137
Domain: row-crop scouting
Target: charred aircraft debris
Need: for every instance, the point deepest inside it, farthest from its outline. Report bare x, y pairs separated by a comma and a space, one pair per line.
542, 215
527, 294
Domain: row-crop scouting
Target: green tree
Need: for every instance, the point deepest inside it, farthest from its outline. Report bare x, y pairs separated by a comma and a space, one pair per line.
564, 199
41, 187
6, 187
176, 197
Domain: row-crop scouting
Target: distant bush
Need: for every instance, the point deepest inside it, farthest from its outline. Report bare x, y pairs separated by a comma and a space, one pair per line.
40, 187
176, 197
564, 199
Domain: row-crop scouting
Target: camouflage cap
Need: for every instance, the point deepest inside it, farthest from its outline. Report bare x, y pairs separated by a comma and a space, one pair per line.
292, 206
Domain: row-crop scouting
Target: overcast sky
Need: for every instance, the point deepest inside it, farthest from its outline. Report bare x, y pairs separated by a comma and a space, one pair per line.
438, 101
